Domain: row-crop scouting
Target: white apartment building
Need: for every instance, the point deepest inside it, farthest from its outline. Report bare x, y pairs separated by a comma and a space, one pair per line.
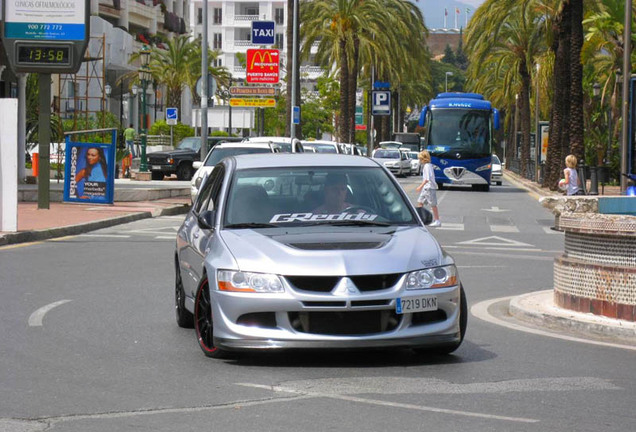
229, 28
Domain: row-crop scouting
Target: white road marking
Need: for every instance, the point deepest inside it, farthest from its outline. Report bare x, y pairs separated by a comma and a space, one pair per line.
35, 320
327, 393
494, 241
105, 235
495, 210
451, 226
165, 237
504, 228
480, 310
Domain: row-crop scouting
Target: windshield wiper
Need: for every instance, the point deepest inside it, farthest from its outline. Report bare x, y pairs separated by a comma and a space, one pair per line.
251, 225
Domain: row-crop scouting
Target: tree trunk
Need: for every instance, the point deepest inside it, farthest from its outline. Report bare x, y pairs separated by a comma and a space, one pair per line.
559, 115
351, 97
524, 111
576, 127
344, 92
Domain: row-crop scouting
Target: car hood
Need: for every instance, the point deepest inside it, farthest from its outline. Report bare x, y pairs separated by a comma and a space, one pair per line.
174, 152
341, 251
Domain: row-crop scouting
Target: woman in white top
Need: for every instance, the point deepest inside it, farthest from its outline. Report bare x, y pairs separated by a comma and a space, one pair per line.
428, 187
571, 177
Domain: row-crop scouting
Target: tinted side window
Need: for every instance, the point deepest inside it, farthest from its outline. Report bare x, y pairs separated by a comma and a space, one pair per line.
203, 200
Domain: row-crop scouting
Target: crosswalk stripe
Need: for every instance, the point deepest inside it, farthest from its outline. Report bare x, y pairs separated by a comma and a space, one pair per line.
452, 226
504, 228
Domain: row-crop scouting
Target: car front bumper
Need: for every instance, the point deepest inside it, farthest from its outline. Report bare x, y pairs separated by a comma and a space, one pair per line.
324, 321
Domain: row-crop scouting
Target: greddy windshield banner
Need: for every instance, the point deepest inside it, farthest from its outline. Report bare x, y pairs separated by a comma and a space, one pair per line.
314, 217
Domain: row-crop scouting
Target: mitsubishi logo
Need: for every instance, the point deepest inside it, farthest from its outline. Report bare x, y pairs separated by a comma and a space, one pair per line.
346, 287
458, 172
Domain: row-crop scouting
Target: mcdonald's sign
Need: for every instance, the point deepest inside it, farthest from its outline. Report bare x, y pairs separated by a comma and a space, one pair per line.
263, 66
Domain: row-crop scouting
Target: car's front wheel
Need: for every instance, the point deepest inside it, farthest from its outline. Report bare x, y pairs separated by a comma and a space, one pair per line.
185, 171
204, 322
156, 175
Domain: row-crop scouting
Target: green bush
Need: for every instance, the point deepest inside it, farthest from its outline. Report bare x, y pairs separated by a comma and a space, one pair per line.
180, 130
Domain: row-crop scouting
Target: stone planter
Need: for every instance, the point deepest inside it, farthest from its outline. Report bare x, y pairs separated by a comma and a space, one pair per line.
597, 271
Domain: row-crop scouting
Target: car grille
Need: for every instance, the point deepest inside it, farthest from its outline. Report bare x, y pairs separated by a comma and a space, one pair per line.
350, 323
157, 160
328, 283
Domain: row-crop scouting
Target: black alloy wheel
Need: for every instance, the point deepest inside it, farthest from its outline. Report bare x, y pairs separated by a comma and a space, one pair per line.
204, 323
184, 171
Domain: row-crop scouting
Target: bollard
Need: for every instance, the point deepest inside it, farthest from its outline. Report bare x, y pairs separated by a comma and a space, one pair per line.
35, 164
593, 181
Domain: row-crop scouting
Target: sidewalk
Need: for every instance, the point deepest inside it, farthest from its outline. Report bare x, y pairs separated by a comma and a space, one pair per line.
133, 201
538, 308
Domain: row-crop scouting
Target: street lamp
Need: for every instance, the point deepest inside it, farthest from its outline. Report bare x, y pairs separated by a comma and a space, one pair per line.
108, 90
446, 80
145, 76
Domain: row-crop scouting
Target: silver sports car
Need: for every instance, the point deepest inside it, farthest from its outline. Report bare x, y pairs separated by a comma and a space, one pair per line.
313, 251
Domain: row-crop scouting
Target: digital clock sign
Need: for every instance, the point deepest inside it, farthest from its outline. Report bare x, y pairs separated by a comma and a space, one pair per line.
44, 54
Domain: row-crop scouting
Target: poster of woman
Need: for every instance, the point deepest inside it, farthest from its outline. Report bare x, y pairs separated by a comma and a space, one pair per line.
89, 173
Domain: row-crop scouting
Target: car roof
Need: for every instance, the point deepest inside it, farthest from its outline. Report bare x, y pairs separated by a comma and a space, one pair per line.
246, 144
282, 160
267, 139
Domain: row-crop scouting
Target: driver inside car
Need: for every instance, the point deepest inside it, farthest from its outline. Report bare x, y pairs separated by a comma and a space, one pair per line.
335, 195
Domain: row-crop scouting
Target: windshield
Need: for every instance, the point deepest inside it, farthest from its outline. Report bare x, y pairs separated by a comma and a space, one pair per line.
191, 143
305, 196
413, 155
324, 148
463, 131
495, 160
218, 153
387, 154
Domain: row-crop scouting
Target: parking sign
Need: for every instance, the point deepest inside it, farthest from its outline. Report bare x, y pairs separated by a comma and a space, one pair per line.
381, 102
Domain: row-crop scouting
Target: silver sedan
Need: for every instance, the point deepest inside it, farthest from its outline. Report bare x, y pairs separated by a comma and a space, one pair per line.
313, 252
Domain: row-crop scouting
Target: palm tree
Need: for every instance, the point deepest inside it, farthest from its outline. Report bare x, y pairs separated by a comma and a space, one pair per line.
354, 34
179, 67
509, 34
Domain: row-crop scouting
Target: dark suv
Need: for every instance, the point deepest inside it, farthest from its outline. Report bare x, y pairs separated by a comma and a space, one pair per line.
179, 161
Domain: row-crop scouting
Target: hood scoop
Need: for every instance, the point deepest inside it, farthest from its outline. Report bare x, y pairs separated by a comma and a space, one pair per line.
340, 245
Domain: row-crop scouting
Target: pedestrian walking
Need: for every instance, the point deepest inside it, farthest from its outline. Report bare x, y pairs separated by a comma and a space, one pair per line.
129, 136
428, 187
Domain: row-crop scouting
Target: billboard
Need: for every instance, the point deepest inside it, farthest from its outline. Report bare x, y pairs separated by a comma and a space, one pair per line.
89, 172
263, 66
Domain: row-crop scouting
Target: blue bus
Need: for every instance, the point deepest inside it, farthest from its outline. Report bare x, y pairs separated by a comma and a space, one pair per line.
459, 137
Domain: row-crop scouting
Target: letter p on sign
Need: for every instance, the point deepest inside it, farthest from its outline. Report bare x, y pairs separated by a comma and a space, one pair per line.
381, 102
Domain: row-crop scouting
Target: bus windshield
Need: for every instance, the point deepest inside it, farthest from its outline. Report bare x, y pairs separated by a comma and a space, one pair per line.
463, 131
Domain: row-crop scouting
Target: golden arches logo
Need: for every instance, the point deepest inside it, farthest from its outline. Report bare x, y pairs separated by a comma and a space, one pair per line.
264, 58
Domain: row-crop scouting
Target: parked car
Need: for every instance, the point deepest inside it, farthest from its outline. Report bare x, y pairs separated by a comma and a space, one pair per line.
394, 160
321, 146
179, 160
220, 151
313, 252
416, 167
496, 174
286, 144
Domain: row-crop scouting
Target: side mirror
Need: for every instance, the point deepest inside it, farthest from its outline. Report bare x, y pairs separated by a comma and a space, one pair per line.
197, 164
422, 117
495, 118
205, 220
425, 215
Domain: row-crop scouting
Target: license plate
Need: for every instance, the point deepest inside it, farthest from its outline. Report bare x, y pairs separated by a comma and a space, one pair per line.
416, 304
156, 167
459, 182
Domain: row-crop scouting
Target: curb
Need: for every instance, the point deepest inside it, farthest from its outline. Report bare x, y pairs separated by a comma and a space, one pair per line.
538, 309
46, 234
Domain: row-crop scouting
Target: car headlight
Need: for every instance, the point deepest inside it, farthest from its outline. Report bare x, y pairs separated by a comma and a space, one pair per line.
170, 161
483, 168
236, 281
436, 277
